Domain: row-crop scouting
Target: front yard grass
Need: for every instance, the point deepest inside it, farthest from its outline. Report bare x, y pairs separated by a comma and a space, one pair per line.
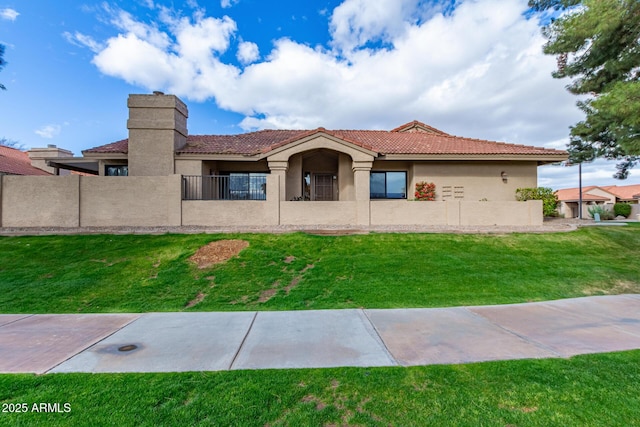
142, 273
133, 273
590, 390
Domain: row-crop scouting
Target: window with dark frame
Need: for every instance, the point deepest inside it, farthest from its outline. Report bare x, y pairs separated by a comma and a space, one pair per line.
388, 185
116, 170
243, 186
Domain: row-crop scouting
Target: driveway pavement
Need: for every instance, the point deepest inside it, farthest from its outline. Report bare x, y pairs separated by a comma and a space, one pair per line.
212, 341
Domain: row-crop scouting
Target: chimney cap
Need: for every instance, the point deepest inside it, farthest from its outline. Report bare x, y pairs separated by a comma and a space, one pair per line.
158, 93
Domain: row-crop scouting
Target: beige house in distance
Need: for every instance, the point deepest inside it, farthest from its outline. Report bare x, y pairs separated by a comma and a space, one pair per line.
592, 195
161, 175
32, 162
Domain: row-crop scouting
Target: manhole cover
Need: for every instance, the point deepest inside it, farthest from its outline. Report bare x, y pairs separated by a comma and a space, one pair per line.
128, 347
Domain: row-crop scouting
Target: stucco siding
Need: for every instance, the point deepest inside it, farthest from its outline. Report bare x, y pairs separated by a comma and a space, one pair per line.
130, 201
476, 181
318, 213
403, 212
501, 213
74, 201
223, 213
40, 201
456, 213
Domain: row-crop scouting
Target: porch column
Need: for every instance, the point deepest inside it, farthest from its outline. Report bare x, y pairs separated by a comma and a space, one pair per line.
361, 177
279, 169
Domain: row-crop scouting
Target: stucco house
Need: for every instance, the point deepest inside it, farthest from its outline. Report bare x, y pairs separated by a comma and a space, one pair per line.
304, 177
31, 163
607, 196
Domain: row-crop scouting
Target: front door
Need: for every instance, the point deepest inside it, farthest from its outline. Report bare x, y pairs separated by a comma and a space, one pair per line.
323, 186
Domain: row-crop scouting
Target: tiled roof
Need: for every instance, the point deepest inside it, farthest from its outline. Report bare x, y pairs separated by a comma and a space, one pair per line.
573, 194
245, 143
121, 146
624, 192
382, 142
416, 126
16, 162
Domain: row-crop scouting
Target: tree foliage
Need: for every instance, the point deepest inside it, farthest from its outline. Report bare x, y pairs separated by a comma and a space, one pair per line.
11, 143
622, 209
548, 197
2, 63
540, 5
597, 44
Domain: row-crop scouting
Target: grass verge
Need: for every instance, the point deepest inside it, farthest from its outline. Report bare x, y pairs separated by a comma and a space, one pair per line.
141, 273
584, 390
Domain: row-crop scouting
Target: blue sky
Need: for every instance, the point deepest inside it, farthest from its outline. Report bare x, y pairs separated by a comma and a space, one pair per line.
469, 67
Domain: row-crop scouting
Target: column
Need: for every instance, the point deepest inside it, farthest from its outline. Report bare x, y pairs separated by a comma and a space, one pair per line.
361, 180
279, 168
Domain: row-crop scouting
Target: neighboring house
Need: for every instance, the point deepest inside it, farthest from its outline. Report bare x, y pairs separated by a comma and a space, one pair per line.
606, 196
624, 193
32, 162
304, 177
16, 162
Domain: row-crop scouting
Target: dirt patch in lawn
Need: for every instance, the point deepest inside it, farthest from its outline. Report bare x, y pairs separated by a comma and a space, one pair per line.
217, 252
197, 300
619, 287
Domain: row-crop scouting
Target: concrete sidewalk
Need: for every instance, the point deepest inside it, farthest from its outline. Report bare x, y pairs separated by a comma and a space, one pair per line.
211, 341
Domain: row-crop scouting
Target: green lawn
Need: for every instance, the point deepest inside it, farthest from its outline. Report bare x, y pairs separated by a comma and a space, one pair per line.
140, 273
591, 390
132, 273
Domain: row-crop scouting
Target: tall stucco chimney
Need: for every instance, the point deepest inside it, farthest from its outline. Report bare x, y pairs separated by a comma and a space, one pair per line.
157, 127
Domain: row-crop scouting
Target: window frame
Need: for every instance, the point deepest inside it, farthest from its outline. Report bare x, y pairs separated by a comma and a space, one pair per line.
251, 193
116, 167
386, 185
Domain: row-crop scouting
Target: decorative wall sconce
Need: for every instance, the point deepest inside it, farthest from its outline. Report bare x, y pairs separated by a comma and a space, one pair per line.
504, 176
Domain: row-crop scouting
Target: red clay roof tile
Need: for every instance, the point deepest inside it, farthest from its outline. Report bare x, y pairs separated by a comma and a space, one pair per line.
624, 192
382, 142
416, 126
573, 195
16, 162
121, 146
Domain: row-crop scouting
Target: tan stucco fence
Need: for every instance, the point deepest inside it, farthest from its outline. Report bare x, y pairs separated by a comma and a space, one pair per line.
95, 201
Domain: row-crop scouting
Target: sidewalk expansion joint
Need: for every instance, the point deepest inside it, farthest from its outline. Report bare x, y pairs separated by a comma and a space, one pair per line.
512, 332
26, 316
384, 344
235, 356
94, 343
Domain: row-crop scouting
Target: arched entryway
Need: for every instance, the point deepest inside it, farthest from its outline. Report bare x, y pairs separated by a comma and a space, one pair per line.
321, 176
322, 168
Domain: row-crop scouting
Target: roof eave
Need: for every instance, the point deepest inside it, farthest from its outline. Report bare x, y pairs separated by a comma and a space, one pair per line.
219, 156
77, 164
106, 155
540, 159
315, 134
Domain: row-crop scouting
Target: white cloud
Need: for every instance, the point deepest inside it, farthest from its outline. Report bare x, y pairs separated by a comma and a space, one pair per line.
477, 70
49, 131
228, 3
600, 172
356, 22
248, 52
9, 14
148, 32
196, 41
83, 40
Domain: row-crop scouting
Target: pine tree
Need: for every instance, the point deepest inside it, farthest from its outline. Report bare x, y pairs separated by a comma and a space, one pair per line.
597, 43
2, 63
